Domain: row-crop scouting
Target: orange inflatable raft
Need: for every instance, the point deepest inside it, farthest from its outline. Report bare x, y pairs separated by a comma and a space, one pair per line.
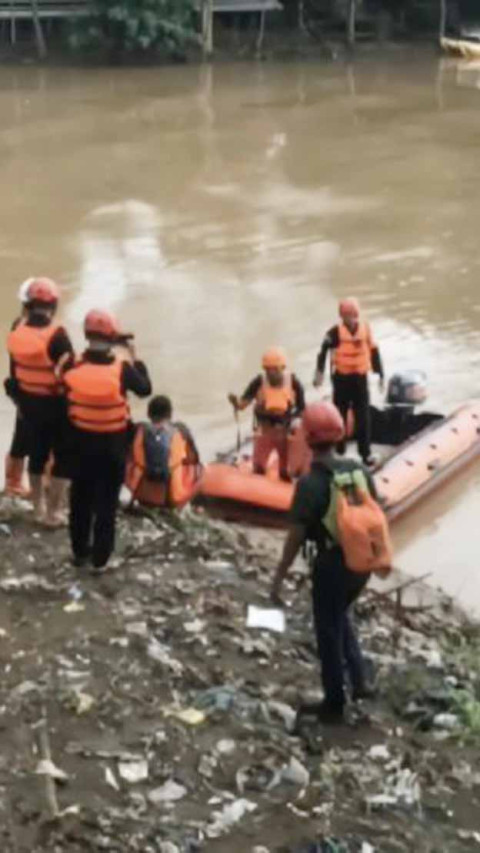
430, 450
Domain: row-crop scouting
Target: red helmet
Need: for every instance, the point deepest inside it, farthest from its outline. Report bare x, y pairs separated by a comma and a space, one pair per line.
42, 290
274, 357
100, 324
349, 308
322, 423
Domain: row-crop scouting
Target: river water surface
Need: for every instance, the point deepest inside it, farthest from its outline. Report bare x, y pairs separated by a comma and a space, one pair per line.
221, 210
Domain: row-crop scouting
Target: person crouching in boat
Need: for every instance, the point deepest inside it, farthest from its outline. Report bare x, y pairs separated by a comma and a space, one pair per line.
353, 355
278, 398
163, 468
319, 516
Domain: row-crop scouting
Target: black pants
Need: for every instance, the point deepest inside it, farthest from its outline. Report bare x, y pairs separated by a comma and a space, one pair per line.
334, 589
46, 424
19, 447
96, 485
351, 391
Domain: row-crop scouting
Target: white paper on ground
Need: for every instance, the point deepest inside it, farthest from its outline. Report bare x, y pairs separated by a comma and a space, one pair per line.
272, 619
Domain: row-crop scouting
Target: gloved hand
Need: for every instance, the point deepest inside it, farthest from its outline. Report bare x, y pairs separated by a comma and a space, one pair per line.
317, 379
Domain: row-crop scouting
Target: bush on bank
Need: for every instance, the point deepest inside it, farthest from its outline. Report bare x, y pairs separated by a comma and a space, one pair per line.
124, 27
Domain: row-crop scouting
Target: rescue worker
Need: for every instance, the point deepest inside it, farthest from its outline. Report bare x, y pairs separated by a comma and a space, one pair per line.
36, 345
353, 355
96, 392
279, 397
15, 458
334, 586
164, 465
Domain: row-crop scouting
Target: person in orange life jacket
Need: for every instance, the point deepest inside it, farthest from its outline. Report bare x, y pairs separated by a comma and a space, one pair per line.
279, 397
334, 586
36, 345
96, 389
15, 458
353, 355
164, 461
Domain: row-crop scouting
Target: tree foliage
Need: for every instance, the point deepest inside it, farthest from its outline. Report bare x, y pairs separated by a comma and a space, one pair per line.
122, 27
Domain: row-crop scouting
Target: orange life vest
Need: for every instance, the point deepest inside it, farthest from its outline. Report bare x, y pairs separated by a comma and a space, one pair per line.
95, 399
183, 478
272, 400
33, 368
354, 351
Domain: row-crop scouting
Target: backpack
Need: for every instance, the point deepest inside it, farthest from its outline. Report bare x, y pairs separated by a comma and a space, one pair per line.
355, 521
156, 445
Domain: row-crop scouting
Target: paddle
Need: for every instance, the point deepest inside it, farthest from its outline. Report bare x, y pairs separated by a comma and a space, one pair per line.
239, 432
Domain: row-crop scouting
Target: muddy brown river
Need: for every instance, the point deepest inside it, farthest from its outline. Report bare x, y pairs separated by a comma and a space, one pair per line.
220, 210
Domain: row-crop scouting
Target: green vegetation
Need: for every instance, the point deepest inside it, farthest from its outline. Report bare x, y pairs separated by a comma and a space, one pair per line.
126, 27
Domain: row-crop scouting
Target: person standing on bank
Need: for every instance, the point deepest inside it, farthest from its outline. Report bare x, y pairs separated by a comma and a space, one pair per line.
279, 398
37, 344
96, 392
334, 586
19, 447
353, 355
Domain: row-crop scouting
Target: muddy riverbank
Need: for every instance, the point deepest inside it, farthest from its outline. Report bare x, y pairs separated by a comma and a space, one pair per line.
171, 725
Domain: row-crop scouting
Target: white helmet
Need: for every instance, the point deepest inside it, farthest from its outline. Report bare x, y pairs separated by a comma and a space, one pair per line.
23, 291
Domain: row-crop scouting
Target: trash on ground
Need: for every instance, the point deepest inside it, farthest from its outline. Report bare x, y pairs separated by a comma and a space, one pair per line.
231, 814
379, 752
270, 619
446, 721
190, 716
74, 607
133, 771
161, 654
46, 767
170, 792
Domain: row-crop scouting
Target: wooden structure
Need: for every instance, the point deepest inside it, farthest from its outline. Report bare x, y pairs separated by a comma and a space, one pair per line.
212, 7
37, 11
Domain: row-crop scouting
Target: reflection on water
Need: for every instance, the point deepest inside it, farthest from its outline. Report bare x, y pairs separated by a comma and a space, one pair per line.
220, 210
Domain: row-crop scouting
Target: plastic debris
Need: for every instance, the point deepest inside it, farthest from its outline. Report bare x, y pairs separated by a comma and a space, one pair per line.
137, 629
446, 721
161, 654
285, 712
170, 792
85, 702
402, 788
207, 766
295, 773
133, 771
271, 619
231, 814
110, 779
74, 607
26, 582
379, 752
168, 847
46, 767
75, 592
226, 746
190, 716
195, 627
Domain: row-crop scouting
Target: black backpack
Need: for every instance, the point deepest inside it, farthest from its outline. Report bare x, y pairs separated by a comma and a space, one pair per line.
156, 443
